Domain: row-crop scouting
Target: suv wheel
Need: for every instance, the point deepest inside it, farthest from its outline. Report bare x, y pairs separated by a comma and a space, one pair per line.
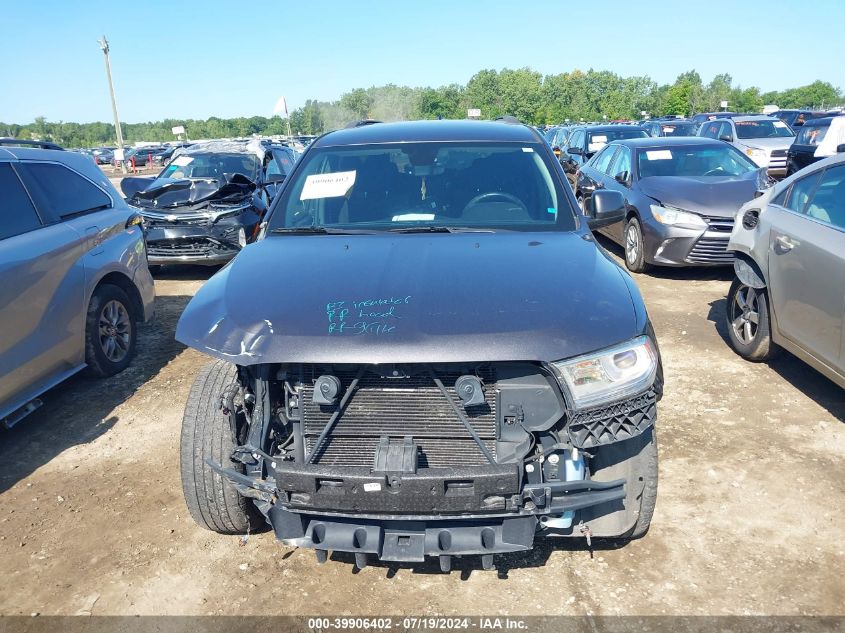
747, 316
634, 248
213, 503
110, 332
635, 460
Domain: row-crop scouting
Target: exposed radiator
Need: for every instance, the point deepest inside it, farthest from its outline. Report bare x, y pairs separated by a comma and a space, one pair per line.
398, 407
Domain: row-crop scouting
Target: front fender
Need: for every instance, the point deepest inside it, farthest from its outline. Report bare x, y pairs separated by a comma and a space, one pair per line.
748, 272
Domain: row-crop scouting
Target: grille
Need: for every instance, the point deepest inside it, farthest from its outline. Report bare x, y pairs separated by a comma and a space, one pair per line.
778, 152
615, 423
397, 407
720, 225
711, 250
179, 248
167, 224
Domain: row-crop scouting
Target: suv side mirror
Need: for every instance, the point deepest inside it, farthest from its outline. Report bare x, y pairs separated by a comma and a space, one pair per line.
726, 137
575, 151
606, 207
840, 148
622, 178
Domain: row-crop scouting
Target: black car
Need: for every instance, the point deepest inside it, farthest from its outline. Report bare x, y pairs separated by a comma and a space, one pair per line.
805, 148
206, 205
797, 118
163, 157
681, 195
670, 127
425, 354
585, 141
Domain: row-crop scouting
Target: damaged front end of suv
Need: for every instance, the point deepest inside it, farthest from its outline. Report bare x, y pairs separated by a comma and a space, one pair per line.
445, 375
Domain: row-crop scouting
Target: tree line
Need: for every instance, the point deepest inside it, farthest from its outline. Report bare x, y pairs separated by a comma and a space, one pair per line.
532, 97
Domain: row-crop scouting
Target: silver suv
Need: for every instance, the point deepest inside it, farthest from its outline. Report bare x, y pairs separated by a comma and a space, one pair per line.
74, 281
764, 139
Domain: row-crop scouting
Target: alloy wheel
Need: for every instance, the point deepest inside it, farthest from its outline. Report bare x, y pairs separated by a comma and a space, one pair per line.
745, 314
632, 244
115, 331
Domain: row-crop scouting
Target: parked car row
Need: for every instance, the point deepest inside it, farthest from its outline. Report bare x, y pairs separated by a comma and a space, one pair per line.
357, 413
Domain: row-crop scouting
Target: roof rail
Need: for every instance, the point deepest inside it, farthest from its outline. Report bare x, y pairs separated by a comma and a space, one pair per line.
508, 119
22, 143
361, 123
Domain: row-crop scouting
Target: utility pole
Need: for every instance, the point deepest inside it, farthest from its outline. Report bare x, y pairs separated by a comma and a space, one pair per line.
104, 46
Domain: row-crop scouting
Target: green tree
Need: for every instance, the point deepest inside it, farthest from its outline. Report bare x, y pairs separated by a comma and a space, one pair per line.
358, 102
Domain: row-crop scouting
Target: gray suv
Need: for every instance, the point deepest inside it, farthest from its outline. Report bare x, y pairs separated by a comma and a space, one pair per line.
74, 281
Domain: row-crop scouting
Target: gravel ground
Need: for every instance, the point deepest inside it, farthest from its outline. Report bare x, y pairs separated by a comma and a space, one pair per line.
749, 519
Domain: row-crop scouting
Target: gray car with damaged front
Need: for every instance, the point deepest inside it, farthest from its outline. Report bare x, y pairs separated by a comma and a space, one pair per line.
425, 354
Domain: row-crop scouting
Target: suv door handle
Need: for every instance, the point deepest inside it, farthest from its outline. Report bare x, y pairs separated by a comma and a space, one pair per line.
783, 244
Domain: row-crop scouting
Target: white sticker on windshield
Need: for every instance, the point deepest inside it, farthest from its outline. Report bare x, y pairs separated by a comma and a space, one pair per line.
182, 161
412, 217
779, 124
594, 147
528, 150
599, 139
668, 129
659, 154
331, 185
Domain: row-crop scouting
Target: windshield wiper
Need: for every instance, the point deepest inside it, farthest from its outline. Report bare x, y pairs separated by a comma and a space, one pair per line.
316, 230
434, 228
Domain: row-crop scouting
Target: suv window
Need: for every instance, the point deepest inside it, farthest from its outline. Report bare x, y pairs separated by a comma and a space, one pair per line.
64, 192
17, 215
577, 139
828, 202
726, 130
711, 130
622, 162
801, 191
602, 159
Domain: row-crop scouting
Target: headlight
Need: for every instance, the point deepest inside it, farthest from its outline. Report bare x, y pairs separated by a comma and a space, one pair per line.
673, 216
609, 375
218, 213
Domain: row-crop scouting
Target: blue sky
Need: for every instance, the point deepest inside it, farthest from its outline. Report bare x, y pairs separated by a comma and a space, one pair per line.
188, 59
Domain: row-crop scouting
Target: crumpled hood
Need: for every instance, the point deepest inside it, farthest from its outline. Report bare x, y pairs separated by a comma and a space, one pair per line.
387, 298
710, 196
166, 193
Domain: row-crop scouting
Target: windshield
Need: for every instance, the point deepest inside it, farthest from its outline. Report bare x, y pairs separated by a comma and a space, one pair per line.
763, 128
212, 165
598, 139
679, 129
693, 161
412, 186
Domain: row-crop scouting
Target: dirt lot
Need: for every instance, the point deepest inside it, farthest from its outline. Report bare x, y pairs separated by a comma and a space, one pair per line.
750, 516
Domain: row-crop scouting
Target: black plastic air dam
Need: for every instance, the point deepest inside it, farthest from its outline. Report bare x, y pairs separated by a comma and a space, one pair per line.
405, 541
473, 489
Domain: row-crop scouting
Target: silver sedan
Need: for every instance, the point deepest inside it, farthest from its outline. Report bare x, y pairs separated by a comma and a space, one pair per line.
789, 290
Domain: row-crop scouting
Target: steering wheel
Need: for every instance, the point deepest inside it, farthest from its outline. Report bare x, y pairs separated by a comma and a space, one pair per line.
492, 196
